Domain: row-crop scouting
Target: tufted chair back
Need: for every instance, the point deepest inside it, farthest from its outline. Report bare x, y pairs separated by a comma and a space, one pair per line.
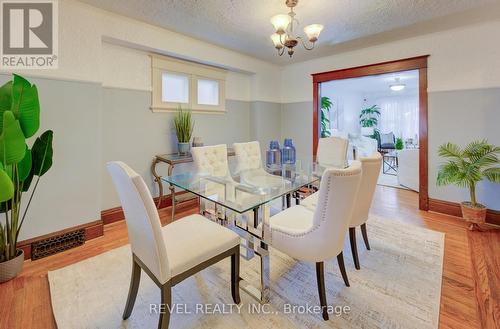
211, 160
324, 239
332, 151
371, 170
247, 156
143, 222
337, 195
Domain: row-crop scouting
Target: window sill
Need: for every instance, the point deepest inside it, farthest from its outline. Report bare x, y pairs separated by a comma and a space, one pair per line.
197, 111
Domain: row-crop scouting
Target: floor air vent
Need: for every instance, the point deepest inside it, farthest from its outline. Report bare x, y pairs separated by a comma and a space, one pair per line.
56, 244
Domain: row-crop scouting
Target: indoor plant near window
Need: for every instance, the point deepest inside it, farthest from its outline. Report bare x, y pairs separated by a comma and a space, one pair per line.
399, 144
326, 105
466, 168
184, 124
19, 120
368, 119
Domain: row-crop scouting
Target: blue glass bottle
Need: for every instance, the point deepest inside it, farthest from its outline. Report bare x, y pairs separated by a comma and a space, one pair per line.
288, 152
273, 155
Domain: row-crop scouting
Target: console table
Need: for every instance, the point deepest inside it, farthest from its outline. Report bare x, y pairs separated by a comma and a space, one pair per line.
171, 160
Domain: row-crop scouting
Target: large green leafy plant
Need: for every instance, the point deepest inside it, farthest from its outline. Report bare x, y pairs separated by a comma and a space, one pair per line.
466, 167
369, 116
326, 105
184, 125
19, 165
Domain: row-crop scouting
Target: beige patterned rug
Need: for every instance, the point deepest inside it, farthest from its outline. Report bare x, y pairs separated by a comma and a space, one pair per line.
398, 286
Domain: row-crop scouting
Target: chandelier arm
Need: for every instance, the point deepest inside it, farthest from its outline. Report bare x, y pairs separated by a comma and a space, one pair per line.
281, 51
305, 45
281, 41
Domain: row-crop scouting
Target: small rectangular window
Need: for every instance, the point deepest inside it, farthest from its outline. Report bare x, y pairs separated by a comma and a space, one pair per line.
208, 92
174, 88
194, 86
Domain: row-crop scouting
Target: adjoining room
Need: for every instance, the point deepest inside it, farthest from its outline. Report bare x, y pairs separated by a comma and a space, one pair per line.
377, 113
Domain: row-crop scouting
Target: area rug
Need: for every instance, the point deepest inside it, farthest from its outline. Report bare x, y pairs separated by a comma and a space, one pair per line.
398, 286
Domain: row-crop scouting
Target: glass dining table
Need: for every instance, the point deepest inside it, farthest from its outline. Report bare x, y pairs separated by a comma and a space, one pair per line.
243, 204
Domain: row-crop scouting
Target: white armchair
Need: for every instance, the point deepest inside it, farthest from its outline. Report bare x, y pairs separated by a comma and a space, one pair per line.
318, 235
371, 170
361, 146
171, 253
408, 168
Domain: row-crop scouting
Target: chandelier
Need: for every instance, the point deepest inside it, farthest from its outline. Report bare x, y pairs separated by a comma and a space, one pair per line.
285, 38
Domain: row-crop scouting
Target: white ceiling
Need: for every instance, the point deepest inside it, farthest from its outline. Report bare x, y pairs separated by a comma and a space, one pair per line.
243, 25
375, 84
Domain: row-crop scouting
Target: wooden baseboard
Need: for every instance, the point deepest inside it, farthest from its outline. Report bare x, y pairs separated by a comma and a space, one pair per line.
453, 209
93, 230
116, 214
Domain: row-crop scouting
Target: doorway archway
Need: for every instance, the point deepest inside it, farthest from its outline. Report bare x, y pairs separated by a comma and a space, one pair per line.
414, 63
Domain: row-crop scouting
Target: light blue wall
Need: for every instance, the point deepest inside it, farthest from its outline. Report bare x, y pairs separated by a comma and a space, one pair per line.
461, 117
70, 193
265, 123
296, 123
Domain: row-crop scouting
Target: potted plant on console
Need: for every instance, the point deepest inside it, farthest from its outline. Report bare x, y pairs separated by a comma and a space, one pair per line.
466, 168
184, 124
19, 165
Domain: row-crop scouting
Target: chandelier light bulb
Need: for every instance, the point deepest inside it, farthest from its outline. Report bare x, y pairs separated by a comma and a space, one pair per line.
280, 23
312, 31
275, 37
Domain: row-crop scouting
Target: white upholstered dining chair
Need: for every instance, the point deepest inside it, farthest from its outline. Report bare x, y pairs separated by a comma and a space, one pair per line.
171, 253
212, 160
318, 236
249, 165
370, 172
332, 151
370, 167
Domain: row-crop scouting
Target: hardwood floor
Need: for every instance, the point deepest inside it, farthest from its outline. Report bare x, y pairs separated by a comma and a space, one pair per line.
471, 274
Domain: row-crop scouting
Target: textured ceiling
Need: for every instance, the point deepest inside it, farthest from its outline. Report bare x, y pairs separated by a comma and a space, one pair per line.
243, 25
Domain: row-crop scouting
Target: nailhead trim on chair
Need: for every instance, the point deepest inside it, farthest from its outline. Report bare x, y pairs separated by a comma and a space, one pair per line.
339, 173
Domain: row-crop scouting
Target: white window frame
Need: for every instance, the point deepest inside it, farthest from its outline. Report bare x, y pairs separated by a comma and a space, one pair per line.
195, 72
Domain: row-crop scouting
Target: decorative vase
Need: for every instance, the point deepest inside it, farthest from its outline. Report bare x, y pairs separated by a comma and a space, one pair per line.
288, 153
11, 268
474, 215
273, 155
183, 148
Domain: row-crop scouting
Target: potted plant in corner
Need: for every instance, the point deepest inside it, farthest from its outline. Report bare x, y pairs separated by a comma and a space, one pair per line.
19, 165
184, 124
326, 105
368, 119
466, 168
